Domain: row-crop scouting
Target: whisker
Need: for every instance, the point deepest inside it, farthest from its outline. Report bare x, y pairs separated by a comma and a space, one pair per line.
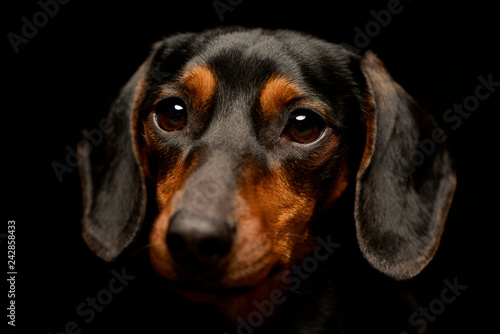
307, 239
293, 235
140, 249
285, 258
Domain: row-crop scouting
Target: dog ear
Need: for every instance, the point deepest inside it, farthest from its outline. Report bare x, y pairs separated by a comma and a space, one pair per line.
406, 179
114, 193
112, 177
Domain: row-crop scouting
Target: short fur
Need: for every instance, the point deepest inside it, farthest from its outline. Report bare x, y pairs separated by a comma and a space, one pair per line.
234, 163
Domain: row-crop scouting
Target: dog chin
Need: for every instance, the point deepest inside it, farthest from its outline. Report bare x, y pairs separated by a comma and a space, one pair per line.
236, 301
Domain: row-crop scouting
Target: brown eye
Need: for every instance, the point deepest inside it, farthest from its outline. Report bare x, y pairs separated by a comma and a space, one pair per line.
171, 114
304, 126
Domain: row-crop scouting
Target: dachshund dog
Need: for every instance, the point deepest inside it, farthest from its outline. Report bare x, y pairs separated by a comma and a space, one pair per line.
244, 142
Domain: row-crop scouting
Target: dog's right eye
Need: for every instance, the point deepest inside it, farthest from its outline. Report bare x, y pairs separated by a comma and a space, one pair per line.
171, 114
304, 126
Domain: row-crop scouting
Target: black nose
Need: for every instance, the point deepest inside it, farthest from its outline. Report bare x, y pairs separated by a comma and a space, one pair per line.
196, 242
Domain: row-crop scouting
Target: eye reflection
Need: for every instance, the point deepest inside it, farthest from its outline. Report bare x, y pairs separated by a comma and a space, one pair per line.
171, 114
304, 126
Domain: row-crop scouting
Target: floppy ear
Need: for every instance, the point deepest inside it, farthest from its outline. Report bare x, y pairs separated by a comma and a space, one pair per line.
113, 181
406, 180
114, 193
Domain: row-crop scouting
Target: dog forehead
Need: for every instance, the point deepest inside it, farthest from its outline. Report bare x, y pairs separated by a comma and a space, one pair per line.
243, 68
242, 57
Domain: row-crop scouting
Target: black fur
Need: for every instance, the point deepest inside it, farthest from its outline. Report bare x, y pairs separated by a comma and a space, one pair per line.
399, 209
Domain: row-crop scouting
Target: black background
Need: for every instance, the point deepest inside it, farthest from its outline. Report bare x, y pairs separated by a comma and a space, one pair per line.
65, 77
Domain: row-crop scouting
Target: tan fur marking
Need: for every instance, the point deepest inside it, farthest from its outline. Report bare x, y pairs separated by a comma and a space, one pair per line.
200, 84
276, 93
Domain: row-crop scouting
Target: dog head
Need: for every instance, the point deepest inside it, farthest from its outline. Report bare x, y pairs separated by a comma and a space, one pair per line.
247, 136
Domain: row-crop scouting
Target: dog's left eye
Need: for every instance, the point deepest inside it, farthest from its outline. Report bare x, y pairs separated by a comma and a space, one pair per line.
304, 126
171, 114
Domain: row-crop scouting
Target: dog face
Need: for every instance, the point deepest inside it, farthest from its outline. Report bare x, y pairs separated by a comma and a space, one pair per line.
248, 136
243, 149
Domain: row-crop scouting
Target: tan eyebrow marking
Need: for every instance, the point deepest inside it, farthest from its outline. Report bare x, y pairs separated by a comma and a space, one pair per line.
276, 93
200, 84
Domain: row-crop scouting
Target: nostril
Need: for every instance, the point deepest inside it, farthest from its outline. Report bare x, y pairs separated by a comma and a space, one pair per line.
177, 245
214, 246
